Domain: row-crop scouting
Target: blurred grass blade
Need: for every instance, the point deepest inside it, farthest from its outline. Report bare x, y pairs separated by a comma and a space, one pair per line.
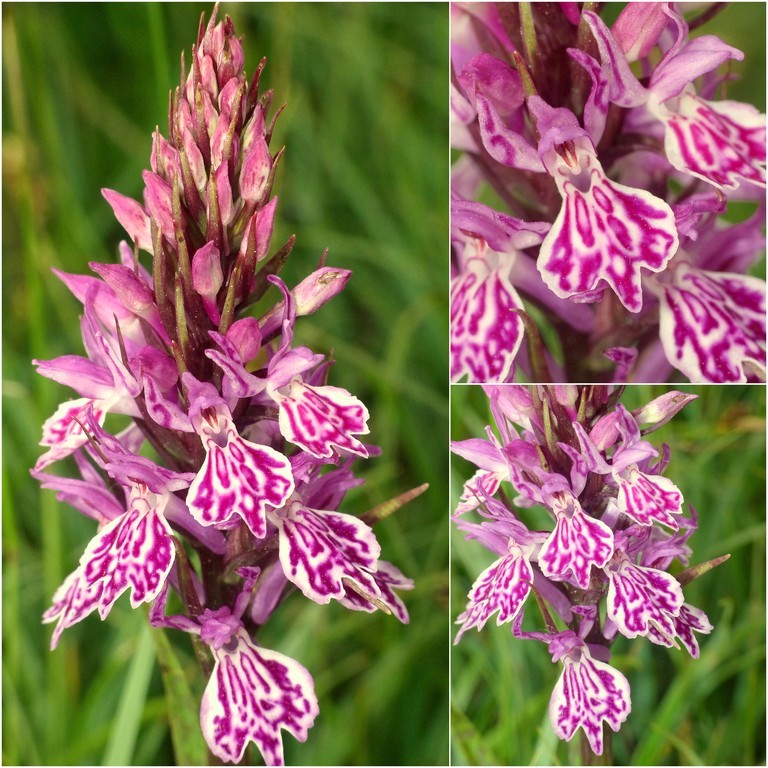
183, 707
471, 743
122, 738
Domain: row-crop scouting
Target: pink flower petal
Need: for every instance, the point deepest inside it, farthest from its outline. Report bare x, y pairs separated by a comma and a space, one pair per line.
639, 598
254, 694
318, 549
238, 479
605, 232
63, 431
319, 419
134, 551
649, 499
75, 599
503, 587
587, 693
132, 218
712, 325
486, 333
689, 619
388, 578
577, 543
722, 142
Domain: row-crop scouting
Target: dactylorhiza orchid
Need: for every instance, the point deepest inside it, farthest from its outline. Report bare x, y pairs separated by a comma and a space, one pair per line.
603, 569
595, 163
235, 454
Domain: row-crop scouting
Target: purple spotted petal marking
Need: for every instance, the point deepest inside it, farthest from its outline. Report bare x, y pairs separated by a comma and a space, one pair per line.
75, 599
388, 578
319, 548
318, 419
504, 587
480, 486
252, 695
62, 431
238, 478
587, 693
689, 619
640, 597
648, 499
604, 232
486, 333
134, 551
578, 542
712, 324
721, 142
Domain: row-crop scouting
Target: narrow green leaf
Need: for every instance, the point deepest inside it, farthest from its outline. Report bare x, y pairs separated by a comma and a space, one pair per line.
183, 707
122, 739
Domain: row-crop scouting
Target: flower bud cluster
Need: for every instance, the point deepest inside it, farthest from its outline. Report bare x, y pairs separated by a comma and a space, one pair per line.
253, 449
617, 527
612, 155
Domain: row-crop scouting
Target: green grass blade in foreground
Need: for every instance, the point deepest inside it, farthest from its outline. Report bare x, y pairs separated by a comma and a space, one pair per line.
182, 705
122, 740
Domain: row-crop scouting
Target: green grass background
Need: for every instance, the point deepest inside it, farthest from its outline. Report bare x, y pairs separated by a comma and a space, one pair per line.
365, 174
709, 711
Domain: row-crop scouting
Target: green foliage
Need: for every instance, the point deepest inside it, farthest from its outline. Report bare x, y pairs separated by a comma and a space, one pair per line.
709, 711
365, 174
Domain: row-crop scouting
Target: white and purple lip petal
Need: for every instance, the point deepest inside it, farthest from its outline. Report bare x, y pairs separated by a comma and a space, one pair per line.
320, 550
640, 597
388, 578
588, 693
649, 499
503, 587
238, 479
252, 695
722, 142
75, 599
712, 325
605, 232
134, 552
578, 542
486, 332
689, 619
319, 419
481, 485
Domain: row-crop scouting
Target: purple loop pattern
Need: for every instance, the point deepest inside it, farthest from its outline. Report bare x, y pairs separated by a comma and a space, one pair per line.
62, 431
648, 499
486, 333
578, 542
132, 551
482, 485
319, 548
711, 324
705, 140
319, 419
75, 599
640, 597
607, 232
387, 578
252, 695
135, 550
504, 587
587, 693
241, 479
689, 619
